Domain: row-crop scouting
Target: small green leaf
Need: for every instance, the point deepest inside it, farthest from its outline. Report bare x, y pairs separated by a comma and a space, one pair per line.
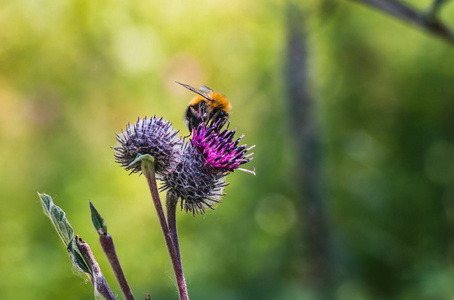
58, 218
97, 220
140, 158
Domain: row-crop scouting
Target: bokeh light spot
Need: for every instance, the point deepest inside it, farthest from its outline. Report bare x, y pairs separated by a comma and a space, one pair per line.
276, 214
439, 162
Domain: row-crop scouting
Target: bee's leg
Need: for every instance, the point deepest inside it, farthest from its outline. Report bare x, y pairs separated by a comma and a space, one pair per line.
192, 118
202, 111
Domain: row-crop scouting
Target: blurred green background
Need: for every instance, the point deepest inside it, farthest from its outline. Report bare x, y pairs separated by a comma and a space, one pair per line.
72, 73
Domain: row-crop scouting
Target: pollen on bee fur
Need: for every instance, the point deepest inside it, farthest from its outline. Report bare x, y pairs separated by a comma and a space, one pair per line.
221, 101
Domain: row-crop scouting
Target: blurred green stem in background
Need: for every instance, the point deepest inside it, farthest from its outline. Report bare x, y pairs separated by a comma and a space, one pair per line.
427, 21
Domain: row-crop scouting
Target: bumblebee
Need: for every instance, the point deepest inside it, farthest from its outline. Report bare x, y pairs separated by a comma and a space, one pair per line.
208, 106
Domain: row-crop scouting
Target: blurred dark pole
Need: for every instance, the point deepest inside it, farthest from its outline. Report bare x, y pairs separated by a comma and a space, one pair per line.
306, 138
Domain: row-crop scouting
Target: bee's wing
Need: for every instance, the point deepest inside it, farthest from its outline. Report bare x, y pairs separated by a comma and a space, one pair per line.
201, 92
205, 89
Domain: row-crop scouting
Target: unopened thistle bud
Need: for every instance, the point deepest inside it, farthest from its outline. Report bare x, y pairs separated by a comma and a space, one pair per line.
153, 136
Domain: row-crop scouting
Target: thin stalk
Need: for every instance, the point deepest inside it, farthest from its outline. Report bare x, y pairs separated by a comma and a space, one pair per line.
148, 170
109, 249
171, 205
98, 280
108, 246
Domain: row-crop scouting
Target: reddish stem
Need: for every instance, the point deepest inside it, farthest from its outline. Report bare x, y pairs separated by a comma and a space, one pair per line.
98, 280
171, 208
109, 249
149, 173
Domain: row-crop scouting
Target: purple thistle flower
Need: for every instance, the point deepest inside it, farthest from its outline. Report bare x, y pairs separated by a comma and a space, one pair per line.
154, 136
209, 156
198, 185
219, 149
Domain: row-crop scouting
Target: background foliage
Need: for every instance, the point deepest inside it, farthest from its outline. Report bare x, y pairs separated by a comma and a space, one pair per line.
72, 73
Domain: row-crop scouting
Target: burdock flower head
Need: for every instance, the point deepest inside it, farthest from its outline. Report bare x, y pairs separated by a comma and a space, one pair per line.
194, 182
209, 156
153, 136
219, 149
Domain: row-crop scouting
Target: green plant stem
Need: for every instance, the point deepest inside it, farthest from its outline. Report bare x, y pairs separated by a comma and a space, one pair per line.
148, 171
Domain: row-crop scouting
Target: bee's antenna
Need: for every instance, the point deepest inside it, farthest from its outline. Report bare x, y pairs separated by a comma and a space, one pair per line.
200, 92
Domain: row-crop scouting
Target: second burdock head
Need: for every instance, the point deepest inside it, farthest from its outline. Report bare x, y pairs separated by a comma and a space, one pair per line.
195, 183
153, 136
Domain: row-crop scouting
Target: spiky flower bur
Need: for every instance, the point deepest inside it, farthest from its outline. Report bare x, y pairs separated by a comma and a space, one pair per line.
153, 136
208, 157
196, 183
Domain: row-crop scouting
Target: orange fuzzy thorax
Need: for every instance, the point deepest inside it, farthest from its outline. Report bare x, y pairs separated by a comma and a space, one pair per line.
220, 101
